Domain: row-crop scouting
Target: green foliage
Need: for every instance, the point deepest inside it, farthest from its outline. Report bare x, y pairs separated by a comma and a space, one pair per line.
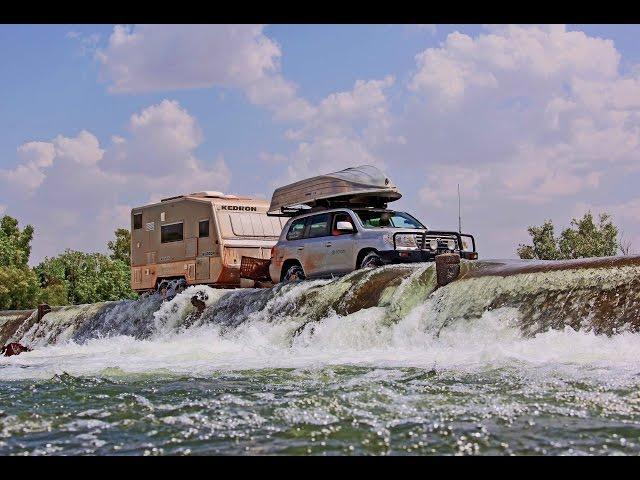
70, 278
15, 244
56, 294
85, 277
19, 288
121, 246
18, 284
544, 243
581, 240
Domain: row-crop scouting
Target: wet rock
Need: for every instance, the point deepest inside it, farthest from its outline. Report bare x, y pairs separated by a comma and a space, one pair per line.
13, 348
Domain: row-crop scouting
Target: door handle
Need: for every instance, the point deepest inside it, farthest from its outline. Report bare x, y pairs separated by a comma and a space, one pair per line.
328, 244
300, 248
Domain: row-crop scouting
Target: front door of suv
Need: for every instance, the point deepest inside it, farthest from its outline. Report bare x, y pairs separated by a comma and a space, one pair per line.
314, 255
340, 246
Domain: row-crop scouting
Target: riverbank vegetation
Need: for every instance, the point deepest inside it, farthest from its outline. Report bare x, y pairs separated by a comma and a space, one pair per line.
582, 239
70, 278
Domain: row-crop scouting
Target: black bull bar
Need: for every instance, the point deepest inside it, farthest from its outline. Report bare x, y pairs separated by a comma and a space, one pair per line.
421, 240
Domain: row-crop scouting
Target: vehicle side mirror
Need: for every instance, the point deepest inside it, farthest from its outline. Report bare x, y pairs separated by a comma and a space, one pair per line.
344, 227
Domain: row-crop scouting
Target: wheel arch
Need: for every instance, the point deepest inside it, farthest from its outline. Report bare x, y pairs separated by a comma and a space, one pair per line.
159, 280
287, 264
363, 253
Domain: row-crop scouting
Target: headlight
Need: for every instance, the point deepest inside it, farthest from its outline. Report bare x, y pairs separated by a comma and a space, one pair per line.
433, 244
406, 241
451, 244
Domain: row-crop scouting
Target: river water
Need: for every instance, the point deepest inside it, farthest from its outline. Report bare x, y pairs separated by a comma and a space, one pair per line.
373, 363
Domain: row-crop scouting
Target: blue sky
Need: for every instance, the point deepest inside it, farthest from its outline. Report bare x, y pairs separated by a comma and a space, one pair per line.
534, 122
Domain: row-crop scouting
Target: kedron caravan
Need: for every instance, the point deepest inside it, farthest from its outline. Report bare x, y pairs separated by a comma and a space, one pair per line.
199, 239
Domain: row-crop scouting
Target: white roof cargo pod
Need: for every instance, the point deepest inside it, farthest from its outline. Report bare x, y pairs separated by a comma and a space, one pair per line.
363, 185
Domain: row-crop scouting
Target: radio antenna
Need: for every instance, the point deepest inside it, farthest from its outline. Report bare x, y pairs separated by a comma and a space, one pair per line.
459, 215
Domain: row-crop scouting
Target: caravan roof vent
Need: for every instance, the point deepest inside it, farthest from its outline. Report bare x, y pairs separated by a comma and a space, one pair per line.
213, 194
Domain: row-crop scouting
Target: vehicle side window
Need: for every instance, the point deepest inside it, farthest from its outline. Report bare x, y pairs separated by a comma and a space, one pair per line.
402, 222
319, 225
296, 230
341, 217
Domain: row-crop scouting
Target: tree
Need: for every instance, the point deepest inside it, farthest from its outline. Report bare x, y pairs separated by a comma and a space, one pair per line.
18, 283
624, 244
15, 244
544, 243
85, 277
581, 240
19, 288
121, 247
70, 278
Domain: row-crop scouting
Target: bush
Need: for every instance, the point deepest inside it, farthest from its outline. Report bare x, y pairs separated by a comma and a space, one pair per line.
581, 240
19, 288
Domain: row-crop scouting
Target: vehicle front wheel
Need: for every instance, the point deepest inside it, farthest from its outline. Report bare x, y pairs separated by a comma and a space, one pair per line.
294, 273
371, 260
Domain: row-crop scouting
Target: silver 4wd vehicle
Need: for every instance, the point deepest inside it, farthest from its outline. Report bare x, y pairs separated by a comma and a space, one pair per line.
339, 240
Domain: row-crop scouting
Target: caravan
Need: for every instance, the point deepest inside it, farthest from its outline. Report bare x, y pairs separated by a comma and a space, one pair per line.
199, 238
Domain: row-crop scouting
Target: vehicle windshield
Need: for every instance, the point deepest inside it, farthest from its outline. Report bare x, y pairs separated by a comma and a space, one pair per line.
387, 219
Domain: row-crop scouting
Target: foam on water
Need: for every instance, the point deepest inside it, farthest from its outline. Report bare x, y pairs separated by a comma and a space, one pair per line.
304, 325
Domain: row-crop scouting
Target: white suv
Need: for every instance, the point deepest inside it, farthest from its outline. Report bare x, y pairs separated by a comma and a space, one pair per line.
337, 241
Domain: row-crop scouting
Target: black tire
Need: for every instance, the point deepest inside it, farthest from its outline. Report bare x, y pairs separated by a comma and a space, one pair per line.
181, 286
371, 260
294, 273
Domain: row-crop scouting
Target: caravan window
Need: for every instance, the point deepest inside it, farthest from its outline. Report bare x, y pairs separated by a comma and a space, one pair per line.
203, 228
171, 233
137, 221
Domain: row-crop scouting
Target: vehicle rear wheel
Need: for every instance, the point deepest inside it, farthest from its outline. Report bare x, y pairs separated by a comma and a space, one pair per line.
371, 260
294, 273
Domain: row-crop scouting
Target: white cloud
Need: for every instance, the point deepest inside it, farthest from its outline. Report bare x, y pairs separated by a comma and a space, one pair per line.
84, 149
528, 119
147, 58
40, 154
504, 56
343, 130
87, 191
161, 57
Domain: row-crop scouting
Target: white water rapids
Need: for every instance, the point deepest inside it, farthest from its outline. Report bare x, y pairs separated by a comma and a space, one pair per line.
297, 326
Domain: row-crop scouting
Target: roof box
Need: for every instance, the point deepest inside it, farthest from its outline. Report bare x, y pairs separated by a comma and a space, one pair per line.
365, 185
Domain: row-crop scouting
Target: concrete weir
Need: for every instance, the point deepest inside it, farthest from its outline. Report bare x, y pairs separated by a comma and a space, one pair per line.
601, 295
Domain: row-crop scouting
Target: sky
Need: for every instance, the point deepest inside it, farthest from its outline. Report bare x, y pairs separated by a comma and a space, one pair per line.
534, 122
